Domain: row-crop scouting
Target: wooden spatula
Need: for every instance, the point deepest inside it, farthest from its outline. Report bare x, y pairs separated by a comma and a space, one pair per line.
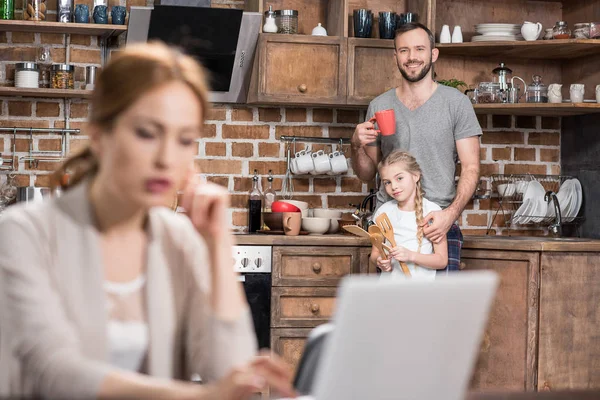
377, 241
384, 225
357, 230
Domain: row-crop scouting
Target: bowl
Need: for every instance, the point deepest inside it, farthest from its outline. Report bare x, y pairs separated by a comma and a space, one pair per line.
507, 189
326, 213
274, 220
315, 226
300, 204
284, 206
334, 225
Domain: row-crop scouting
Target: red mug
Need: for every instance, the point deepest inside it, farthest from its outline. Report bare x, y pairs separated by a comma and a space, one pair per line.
386, 121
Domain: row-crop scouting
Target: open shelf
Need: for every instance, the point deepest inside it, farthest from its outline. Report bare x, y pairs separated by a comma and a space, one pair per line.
48, 93
539, 49
104, 30
543, 109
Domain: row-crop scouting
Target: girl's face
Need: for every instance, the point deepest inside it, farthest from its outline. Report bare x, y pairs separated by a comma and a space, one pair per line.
399, 183
146, 156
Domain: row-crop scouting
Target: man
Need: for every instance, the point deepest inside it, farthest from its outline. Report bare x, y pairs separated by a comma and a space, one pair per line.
437, 125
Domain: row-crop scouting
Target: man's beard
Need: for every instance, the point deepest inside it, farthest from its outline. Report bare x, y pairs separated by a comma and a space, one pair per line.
420, 76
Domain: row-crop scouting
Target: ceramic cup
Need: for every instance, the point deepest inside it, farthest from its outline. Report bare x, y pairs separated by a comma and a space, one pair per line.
100, 15
339, 164
386, 122
303, 162
118, 14
387, 24
321, 162
530, 30
577, 90
291, 223
597, 93
363, 22
555, 93
82, 13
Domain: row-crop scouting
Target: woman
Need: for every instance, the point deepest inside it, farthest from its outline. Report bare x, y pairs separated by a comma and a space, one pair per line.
105, 294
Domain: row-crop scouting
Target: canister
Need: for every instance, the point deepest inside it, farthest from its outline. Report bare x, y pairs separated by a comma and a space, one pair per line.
62, 76
27, 75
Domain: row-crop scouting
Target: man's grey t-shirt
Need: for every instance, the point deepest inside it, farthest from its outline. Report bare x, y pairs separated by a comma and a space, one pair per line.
429, 133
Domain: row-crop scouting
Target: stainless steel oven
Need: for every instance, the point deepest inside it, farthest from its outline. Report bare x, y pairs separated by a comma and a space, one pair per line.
254, 265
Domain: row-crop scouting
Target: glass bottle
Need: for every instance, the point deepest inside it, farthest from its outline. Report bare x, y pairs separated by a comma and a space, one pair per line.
254, 206
7, 9
537, 92
561, 30
269, 194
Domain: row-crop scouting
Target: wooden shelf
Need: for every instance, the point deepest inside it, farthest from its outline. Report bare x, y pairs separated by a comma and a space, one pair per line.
48, 93
104, 30
543, 109
540, 49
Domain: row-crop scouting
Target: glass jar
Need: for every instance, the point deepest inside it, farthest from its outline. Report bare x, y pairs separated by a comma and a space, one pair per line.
287, 21
594, 30
581, 31
62, 76
7, 9
27, 75
561, 30
537, 92
489, 92
34, 10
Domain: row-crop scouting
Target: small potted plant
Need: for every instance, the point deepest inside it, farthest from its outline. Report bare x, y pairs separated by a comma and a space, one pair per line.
455, 83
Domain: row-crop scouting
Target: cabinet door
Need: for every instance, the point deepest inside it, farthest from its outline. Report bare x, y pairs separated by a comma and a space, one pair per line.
569, 354
372, 69
507, 359
299, 69
314, 266
301, 307
289, 344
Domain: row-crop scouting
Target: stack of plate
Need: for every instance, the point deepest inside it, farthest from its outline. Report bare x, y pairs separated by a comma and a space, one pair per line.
497, 32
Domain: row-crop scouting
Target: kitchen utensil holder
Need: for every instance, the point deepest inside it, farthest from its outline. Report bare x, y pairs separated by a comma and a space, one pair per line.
509, 204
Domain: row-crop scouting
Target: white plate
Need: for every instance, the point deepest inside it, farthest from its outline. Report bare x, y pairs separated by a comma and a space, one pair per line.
482, 38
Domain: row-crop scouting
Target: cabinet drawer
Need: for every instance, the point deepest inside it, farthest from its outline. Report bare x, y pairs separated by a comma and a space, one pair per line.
310, 266
301, 307
289, 343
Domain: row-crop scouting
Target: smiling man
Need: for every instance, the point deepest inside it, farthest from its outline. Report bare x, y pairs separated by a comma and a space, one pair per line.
436, 124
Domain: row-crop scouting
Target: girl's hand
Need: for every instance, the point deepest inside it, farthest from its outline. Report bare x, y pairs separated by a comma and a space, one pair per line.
384, 265
402, 254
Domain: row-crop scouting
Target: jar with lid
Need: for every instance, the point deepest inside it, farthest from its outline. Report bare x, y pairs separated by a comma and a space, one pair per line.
287, 21
270, 26
34, 10
27, 75
537, 92
489, 92
62, 76
561, 30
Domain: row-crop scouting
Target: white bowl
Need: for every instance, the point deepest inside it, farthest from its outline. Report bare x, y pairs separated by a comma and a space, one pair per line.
326, 213
507, 189
316, 226
300, 204
334, 226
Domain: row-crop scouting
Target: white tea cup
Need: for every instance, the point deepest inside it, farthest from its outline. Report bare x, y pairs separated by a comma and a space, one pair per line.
339, 164
576, 92
555, 93
531, 30
303, 161
321, 163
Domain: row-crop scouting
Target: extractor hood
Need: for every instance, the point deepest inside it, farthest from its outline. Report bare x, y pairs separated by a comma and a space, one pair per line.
223, 40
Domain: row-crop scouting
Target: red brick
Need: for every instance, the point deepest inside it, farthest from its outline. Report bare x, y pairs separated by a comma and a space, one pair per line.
341, 132
501, 154
219, 180
76, 145
322, 115
52, 38
216, 114
43, 180
242, 149
21, 145
79, 110
82, 56
483, 152
19, 108
239, 200
525, 122
3, 38
22, 37
501, 121
346, 202
209, 131
37, 123
477, 219
72, 125
324, 185
486, 169
524, 169
269, 114
268, 149
348, 117
523, 154
544, 138
555, 170
263, 167
301, 185
503, 138
483, 120
81, 40
43, 166
295, 114
239, 218
212, 166
305, 130
58, 55
215, 149
551, 123
549, 155
242, 184
22, 180
245, 131
49, 145
18, 54
47, 109
241, 114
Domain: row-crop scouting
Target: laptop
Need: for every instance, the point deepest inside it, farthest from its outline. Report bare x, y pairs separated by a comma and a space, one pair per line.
405, 339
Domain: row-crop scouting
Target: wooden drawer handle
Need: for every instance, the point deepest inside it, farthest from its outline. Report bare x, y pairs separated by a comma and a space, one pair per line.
302, 88
314, 308
462, 265
316, 267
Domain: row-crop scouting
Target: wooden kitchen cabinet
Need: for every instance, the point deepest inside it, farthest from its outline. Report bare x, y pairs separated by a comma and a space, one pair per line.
299, 69
569, 338
507, 359
289, 343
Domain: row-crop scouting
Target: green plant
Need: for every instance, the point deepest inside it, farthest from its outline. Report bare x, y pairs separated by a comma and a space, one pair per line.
455, 83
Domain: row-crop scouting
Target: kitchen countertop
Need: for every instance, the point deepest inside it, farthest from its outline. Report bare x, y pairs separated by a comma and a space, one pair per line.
517, 243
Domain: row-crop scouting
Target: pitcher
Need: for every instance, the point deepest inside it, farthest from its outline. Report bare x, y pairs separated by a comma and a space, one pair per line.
530, 30
555, 93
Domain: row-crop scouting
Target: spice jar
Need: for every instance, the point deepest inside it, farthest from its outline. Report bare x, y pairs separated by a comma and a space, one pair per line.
27, 75
62, 76
537, 92
270, 26
287, 21
34, 10
561, 30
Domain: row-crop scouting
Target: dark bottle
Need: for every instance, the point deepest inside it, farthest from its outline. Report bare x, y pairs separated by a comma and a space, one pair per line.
254, 206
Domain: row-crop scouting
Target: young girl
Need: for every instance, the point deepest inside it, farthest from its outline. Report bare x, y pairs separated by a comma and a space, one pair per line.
401, 176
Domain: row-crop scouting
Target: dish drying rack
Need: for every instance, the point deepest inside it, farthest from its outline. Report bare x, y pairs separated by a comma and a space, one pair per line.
509, 204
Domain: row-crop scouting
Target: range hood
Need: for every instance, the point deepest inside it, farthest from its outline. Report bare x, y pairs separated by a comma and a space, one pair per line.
223, 40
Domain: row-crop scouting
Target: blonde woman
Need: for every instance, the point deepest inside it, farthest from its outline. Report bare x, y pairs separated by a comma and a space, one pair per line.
401, 177
107, 294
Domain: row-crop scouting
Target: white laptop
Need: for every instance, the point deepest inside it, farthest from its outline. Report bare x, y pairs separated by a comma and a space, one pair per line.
405, 339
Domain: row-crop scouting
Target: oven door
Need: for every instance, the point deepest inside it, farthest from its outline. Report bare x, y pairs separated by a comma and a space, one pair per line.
258, 293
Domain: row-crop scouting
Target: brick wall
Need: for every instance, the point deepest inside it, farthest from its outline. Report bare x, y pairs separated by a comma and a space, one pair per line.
238, 140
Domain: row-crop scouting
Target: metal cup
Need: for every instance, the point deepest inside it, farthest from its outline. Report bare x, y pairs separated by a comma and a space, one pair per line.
90, 77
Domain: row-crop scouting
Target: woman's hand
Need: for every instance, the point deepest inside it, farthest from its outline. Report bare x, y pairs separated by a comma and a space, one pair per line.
384, 265
402, 254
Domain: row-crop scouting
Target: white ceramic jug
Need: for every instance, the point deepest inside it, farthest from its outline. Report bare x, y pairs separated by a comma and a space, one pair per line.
576, 92
555, 93
457, 36
445, 34
530, 30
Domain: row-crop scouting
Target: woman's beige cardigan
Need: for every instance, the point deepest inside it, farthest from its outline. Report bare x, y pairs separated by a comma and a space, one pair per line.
53, 308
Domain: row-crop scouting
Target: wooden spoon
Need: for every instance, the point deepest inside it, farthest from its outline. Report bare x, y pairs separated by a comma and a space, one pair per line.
374, 229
